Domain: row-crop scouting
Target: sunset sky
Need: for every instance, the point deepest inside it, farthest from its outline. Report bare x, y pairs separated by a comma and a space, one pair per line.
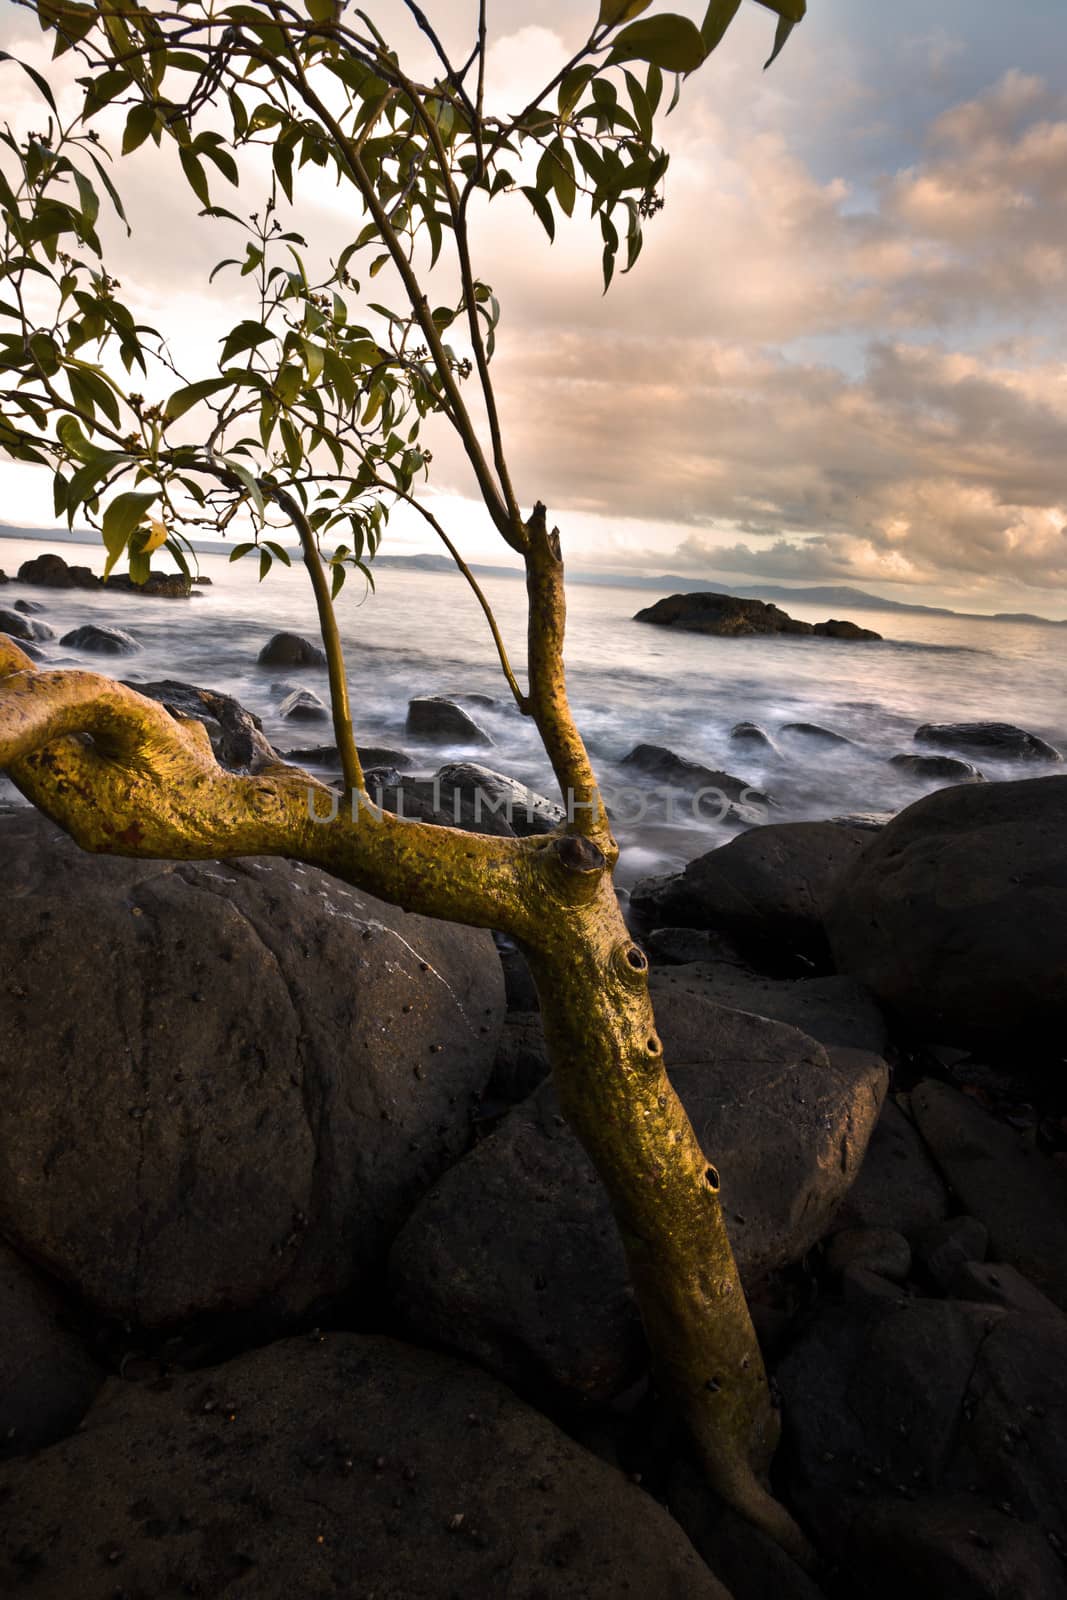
842, 356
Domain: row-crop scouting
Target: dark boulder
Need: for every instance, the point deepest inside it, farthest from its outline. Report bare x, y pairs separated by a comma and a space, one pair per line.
816, 734
370, 756
924, 1447
242, 1080
996, 740
729, 616
18, 626
835, 1011
303, 705
752, 737
767, 890
337, 1465
54, 573
290, 650
440, 721
236, 735
101, 641
1002, 1180
955, 916
682, 773
47, 1378
898, 1185
514, 1257
938, 769
30, 608
157, 586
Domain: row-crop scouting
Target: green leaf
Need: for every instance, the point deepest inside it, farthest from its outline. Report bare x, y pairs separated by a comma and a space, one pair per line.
781, 34
196, 176
36, 76
139, 124
613, 13
240, 550
338, 576
246, 336
123, 515
183, 400
266, 560
543, 209
248, 482
668, 41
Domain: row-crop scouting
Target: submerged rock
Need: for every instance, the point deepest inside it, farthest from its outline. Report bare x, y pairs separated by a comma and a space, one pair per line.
753, 737
101, 641
19, 626
682, 773
303, 705
247, 1077
334, 1465
995, 739
441, 721
817, 734
946, 769
955, 916
731, 616
290, 650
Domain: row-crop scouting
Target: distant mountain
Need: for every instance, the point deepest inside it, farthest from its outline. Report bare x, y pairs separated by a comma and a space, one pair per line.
836, 596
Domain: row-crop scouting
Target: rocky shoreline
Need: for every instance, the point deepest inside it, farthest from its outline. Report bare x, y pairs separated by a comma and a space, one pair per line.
307, 1287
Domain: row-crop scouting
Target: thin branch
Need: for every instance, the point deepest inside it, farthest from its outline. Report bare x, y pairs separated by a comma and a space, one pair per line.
521, 700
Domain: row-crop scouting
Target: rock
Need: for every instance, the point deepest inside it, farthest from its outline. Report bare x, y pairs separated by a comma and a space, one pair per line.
18, 626
249, 1075
898, 1186
938, 769
749, 1560
680, 946
519, 986
525, 811
752, 736
521, 1060
290, 650
47, 1377
440, 721
948, 1244
202, 580
924, 1447
32, 650
369, 755
817, 734
768, 890
30, 608
303, 705
681, 773
999, 740
1002, 1180
338, 1465
426, 800
4, 578
835, 1011
955, 917
236, 735
100, 641
730, 616
514, 1258
157, 586
860, 1285
879, 1250
997, 1283
53, 572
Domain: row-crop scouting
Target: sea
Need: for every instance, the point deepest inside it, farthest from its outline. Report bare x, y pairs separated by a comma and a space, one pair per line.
422, 634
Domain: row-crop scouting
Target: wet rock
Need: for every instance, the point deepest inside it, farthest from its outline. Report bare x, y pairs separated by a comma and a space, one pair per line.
898, 1185
938, 769
483, 790
303, 705
47, 1378
730, 616
1002, 1180
157, 586
924, 1446
947, 1245
54, 573
101, 641
753, 737
816, 734
999, 740
370, 755
246, 1079
290, 650
30, 608
441, 721
879, 1250
767, 890
427, 800
339, 1465
18, 626
236, 735
955, 917
679, 771
514, 1258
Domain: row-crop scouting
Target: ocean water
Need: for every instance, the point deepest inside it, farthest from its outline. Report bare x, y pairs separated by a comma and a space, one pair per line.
629, 683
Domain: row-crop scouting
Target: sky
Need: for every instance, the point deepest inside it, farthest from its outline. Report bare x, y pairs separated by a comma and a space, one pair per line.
842, 356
